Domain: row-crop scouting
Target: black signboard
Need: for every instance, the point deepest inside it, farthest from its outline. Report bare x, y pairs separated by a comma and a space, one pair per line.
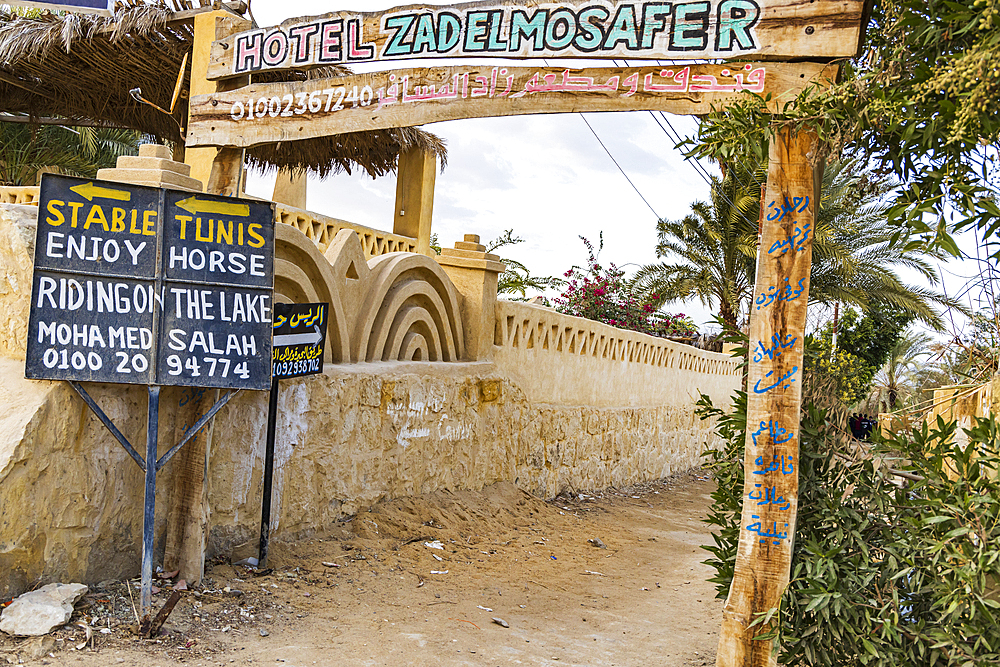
218, 258
143, 285
299, 339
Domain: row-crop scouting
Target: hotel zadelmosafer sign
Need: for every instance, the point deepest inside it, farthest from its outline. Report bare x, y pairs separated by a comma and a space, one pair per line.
142, 285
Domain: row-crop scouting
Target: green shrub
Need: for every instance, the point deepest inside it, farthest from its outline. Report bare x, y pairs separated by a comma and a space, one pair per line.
882, 574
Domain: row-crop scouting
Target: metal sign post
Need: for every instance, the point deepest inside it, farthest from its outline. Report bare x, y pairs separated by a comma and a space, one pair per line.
150, 286
299, 341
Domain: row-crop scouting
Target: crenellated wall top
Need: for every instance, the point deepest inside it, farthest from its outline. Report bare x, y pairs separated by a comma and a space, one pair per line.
320, 229
527, 326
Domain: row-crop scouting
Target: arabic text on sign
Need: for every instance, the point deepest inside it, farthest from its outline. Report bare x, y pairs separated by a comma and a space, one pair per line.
784, 381
796, 241
769, 496
778, 212
782, 293
777, 434
296, 353
308, 319
765, 533
498, 85
773, 350
784, 464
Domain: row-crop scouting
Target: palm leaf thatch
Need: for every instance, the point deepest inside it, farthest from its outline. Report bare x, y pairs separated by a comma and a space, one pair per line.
82, 67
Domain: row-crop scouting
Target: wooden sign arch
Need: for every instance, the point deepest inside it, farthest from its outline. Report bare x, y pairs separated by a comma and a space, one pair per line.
268, 113
757, 39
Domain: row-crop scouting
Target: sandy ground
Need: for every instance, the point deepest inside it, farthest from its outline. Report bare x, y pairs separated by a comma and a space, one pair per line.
375, 591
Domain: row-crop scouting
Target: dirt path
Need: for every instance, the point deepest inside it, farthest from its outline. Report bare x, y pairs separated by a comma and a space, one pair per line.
373, 592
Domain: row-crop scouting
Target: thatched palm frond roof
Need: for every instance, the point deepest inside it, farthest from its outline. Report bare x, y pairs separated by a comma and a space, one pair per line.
82, 67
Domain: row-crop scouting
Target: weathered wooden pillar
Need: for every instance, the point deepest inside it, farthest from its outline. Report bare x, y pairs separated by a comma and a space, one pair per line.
415, 176
219, 169
188, 511
771, 461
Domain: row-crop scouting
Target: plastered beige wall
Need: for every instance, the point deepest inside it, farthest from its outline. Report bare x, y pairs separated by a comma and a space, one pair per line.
71, 498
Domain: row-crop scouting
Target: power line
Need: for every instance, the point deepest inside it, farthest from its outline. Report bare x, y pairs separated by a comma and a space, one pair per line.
752, 173
701, 171
594, 132
695, 164
619, 167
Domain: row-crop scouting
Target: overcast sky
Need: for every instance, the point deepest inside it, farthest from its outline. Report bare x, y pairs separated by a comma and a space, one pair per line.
545, 176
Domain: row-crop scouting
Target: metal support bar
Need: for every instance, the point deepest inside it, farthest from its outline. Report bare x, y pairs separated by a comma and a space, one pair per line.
265, 505
149, 508
190, 433
88, 399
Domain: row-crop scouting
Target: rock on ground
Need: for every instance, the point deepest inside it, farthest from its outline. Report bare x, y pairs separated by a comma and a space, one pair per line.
39, 612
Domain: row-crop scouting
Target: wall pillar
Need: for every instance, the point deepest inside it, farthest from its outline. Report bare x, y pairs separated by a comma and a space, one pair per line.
155, 167
415, 175
474, 273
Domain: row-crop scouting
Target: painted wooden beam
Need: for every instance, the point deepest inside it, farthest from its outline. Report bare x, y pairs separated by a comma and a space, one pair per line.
701, 29
268, 113
774, 398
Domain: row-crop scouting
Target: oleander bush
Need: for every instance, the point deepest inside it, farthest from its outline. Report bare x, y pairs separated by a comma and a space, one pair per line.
887, 569
602, 293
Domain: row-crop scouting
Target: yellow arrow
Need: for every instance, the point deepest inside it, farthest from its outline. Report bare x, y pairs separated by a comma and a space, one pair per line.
88, 191
195, 206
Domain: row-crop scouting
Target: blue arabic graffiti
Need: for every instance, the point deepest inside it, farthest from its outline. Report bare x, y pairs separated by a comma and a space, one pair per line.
773, 532
787, 377
783, 293
769, 496
778, 343
776, 465
797, 205
797, 241
779, 436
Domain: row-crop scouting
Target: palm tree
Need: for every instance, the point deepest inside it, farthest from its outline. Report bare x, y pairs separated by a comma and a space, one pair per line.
854, 260
517, 279
76, 151
897, 377
717, 247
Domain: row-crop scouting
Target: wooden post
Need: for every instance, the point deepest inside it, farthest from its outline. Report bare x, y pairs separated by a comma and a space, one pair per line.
219, 169
188, 512
415, 196
777, 324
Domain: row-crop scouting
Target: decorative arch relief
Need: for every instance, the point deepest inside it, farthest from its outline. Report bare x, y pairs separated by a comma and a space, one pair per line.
397, 307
